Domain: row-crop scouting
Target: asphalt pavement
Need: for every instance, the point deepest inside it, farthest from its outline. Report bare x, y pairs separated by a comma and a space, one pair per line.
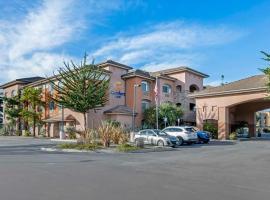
218, 171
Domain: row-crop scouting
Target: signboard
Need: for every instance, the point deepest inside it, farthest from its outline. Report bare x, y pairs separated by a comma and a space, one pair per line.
118, 87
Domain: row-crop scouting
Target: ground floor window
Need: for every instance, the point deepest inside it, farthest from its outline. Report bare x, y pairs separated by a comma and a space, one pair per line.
145, 105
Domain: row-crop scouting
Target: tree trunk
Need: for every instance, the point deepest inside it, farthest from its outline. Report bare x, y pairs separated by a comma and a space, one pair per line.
34, 127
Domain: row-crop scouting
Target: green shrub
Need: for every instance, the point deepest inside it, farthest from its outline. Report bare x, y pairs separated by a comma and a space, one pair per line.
212, 128
27, 133
233, 136
5, 131
18, 133
71, 132
78, 146
113, 123
126, 148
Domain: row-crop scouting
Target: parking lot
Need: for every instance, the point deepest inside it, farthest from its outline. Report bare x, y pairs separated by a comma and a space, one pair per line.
217, 171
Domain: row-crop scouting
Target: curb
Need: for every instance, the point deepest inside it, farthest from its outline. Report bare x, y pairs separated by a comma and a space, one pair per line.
149, 150
108, 151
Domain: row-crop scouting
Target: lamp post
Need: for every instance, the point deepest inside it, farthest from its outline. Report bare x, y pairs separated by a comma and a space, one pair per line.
165, 121
134, 105
62, 133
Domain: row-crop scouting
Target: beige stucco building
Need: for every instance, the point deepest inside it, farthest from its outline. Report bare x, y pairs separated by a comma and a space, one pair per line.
231, 104
174, 85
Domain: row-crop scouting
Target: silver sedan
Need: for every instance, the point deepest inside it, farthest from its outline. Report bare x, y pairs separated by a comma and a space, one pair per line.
156, 137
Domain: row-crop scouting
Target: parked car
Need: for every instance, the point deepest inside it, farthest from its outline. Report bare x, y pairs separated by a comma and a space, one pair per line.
203, 136
185, 134
156, 137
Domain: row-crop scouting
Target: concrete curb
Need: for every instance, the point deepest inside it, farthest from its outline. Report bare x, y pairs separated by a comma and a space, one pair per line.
71, 150
65, 140
146, 150
149, 150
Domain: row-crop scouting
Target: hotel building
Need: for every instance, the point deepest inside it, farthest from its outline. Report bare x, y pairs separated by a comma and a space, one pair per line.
174, 85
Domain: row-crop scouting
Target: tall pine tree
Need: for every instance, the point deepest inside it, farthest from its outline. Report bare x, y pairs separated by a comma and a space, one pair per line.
81, 87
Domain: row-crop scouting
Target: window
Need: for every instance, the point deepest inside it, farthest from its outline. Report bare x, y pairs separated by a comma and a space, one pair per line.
13, 93
145, 86
167, 89
178, 104
145, 105
142, 132
190, 129
179, 88
51, 105
150, 133
193, 88
51, 88
192, 107
160, 133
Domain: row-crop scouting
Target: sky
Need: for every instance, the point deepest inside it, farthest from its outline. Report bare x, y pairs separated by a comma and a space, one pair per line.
222, 37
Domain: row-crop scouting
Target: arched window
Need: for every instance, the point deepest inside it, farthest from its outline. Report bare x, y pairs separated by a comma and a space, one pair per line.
145, 86
51, 105
166, 88
13, 93
145, 104
193, 88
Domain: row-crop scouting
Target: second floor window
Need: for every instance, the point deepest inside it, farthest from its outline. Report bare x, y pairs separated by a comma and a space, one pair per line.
51, 105
51, 88
13, 93
167, 89
145, 87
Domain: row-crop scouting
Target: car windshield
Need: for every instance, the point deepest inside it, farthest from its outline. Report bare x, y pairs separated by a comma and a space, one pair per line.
190, 129
160, 133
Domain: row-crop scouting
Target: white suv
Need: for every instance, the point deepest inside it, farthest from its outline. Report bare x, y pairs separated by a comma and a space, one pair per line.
185, 134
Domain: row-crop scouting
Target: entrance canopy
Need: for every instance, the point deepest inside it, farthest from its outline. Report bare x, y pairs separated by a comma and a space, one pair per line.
233, 102
58, 118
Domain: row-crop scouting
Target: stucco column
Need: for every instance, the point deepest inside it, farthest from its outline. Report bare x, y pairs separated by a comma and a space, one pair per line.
223, 123
252, 123
199, 119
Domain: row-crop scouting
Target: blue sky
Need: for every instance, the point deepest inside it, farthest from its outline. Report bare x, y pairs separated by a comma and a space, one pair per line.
215, 37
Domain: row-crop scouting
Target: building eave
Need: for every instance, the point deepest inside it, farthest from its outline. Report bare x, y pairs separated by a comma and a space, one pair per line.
136, 75
229, 92
183, 69
115, 64
47, 80
128, 114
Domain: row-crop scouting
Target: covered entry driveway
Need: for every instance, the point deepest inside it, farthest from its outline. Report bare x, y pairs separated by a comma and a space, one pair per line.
232, 104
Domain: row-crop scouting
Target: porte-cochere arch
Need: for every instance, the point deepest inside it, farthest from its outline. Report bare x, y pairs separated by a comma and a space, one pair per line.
236, 101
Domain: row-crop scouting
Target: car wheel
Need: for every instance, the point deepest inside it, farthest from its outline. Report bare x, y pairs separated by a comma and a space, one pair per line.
160, 143
206, 141
136, 141
181, 141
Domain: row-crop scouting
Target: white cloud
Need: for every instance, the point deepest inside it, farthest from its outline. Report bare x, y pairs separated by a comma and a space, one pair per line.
49, 26
28, 45
165, 45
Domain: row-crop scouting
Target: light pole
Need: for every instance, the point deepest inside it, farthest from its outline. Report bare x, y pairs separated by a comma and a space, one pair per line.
165, 121
62, 133
134, 105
